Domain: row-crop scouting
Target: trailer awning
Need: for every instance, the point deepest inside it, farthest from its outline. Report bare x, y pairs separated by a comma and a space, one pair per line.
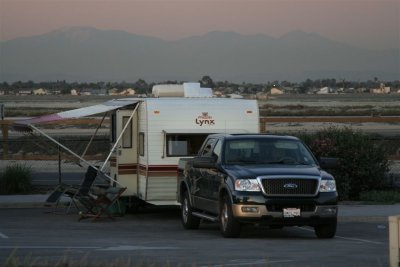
23, 125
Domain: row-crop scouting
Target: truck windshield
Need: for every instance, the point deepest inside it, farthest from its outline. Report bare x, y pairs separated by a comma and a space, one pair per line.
267, 151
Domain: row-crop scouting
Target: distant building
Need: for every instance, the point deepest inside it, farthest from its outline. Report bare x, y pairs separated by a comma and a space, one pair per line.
113, 91
141, 95
326, 90
289, 90
218, 93
323, 90
40, 91
261, 96
74, 92
381, 90
128, 91
24, 92
99, 91
276, 91
384, 90
361, 90
235, 96
86, 92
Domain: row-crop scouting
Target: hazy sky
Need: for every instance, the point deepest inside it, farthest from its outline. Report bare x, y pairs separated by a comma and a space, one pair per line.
365, 23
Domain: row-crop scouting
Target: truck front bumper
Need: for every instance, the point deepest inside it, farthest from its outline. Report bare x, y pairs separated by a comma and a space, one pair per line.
308, 211
258, 211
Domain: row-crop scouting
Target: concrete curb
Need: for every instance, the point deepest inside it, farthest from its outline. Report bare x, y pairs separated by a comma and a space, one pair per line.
348, 212
366, 219
341, 219
20, 205
27, 201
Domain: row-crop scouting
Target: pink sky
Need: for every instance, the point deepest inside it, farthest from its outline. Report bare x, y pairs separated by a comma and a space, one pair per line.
365, 23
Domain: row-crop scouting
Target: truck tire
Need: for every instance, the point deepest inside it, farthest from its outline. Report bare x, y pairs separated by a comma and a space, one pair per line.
228, 224
326, 230
188, 220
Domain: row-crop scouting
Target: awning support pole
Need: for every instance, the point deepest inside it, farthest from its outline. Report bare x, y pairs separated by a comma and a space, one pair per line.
70, 151
94, 134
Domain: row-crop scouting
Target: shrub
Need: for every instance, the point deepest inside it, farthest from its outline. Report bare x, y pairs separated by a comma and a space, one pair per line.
16, 179
385, 197
362, 163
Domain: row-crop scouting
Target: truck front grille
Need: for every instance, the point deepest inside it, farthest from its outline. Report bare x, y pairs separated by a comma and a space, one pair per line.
290, 186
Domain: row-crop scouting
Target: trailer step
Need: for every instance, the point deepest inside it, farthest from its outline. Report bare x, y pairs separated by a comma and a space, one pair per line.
205, 216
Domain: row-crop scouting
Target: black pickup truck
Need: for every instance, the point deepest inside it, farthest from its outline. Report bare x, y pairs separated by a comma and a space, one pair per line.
259, 179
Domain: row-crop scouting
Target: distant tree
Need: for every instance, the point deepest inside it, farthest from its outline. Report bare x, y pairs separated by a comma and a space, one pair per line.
5, 85
328, 83
286, 84
65, 91
276, 84
308, 83
141, 86
17, 85
302, 89
170, 82
29, 84
206, 81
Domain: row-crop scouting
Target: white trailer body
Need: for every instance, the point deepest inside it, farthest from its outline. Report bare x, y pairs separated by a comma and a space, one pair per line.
163, 130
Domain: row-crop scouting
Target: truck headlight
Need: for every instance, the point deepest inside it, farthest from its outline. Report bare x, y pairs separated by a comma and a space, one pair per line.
327, 186
247, 185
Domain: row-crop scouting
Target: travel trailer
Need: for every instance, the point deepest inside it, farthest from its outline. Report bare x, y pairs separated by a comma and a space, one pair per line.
149, 135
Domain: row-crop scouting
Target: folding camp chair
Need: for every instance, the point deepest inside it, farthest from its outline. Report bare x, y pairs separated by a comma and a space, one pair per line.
101, 204
72, 191
55, 197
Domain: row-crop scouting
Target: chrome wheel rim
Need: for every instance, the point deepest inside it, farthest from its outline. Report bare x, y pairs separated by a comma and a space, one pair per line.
224, 216
185, 210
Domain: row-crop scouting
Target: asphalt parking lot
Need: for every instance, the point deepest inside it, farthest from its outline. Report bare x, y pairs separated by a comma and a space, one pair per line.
155, 237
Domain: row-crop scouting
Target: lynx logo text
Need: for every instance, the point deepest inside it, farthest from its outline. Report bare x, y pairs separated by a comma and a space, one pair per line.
205, 119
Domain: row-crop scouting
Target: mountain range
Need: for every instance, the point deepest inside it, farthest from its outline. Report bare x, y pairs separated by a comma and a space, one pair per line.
89, 54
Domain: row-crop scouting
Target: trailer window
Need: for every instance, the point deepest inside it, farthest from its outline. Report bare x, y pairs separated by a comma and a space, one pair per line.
179, 145
141, 144
127, 136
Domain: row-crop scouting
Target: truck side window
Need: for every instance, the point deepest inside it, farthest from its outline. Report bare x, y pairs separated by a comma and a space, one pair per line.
207, 150
217, 149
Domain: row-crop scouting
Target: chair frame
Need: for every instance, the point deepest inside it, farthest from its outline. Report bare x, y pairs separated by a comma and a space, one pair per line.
101, 203
72, 191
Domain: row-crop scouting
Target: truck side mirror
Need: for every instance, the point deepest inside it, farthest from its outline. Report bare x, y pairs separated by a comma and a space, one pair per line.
328, 163
204, 162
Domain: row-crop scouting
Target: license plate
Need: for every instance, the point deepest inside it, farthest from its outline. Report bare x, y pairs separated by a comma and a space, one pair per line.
291, 212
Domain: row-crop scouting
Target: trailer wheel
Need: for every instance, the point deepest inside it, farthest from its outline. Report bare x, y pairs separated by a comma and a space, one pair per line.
230, 227
189, 221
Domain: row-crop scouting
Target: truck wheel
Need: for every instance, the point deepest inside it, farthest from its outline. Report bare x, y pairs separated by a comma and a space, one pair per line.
188, 220
228, 224
326, 230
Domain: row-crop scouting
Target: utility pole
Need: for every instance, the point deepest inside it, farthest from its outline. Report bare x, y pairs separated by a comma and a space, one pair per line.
4, 131
2, 111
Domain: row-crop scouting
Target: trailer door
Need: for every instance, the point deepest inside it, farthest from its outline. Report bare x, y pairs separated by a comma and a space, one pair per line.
124, 160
